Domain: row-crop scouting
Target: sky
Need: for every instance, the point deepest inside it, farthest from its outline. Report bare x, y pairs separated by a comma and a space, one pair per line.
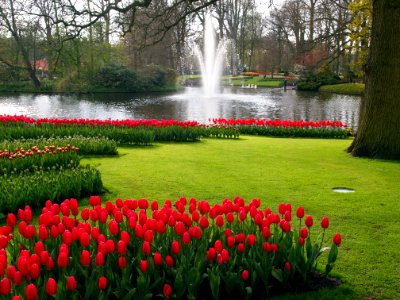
264, 6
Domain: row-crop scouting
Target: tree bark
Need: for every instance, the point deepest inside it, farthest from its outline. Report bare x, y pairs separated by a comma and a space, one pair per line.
378, 133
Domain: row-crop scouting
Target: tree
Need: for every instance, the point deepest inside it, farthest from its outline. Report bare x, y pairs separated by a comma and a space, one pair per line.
11, 17
378, 134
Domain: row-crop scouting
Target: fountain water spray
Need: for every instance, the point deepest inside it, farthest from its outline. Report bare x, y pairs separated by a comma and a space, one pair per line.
211, 59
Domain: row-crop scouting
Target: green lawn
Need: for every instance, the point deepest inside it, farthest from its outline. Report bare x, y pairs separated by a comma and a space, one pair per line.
302, 171
258, 80
344, 88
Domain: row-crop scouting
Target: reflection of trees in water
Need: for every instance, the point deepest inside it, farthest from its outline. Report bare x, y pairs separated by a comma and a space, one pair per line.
238, 104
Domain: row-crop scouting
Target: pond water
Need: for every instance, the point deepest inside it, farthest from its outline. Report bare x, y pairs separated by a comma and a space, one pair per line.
188, 104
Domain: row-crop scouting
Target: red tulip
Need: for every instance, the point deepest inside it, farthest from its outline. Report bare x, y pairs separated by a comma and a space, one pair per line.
288, 266
5, 286
99, 259
157, 259
167, 290
230, 241
71, 283
229, 217
309, 221
51, 287
85, 239
34, 271
204, 222
325, 222
85, 214
146, 248
300, 212
186, 238
169, 261
122, 262
143, 266
218, 246
125, 237
337, 239
31, 292
211, 254
113, 226
11, 220
175, 247
62, 260
94, 200
251, 240
23, 265
245, 275
225, 255
122, 247
102, 283
282, 208
303, 232
266, 247
11, 271
85, 258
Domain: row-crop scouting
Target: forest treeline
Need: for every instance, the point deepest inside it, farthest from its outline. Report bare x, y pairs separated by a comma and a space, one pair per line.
52, 45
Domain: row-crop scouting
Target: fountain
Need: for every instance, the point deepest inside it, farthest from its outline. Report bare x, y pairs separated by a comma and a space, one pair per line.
211, 59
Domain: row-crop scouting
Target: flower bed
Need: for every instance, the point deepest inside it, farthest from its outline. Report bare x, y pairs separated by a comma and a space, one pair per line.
35, 158
286, 128
147, 131
86, 145
34, 188
134, 249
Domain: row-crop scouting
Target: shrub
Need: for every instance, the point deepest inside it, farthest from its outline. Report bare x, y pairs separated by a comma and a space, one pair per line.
312, 82
134, 249
57, 184
116, 76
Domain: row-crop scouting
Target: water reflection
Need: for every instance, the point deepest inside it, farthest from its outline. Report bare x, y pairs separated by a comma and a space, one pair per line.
188, 105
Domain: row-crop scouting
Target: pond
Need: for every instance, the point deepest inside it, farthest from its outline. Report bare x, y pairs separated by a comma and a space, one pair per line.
188, 104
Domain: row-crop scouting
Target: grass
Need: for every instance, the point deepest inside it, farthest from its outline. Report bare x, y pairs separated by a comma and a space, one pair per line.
343, 88
258, 80
302, 171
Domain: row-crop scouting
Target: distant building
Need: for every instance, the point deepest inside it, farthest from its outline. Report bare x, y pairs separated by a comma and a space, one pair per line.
42, 67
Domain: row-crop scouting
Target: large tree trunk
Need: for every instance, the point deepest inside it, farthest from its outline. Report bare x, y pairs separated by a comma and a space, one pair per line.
378, 133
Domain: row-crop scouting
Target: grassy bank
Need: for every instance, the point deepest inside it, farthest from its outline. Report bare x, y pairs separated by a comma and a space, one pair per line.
260, 81
344, 88
50, 87
302, 171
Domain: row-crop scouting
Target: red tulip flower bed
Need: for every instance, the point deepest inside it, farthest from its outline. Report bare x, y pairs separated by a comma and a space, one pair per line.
134, 249
147, 131
288, 128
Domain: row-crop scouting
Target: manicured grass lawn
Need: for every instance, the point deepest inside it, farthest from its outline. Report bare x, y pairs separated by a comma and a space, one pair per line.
344, 88
258, 80
300, 171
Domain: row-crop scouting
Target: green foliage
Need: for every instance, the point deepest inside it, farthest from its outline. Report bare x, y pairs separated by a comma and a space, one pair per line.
18, 190
119, 77
116, 76
312, 81
360, 33
330, 133
344, 88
